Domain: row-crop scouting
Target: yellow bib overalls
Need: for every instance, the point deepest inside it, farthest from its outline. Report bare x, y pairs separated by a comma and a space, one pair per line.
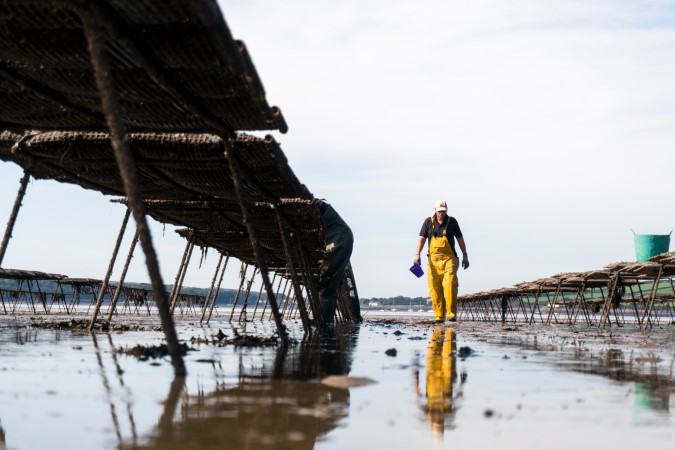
442, 275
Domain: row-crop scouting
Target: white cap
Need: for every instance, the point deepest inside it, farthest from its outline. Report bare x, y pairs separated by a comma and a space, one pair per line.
440, 205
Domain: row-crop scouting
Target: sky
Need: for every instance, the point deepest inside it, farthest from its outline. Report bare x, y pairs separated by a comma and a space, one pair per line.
547, 125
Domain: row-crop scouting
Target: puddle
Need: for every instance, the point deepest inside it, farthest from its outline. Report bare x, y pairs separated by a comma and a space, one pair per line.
467, 386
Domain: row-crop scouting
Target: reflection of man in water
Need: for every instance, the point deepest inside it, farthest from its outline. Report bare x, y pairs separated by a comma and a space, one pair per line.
441, 377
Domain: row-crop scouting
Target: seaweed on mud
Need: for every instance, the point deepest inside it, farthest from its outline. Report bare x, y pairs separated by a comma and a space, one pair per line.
386, 322
251, 341
76, 324
465, 352
145, 352
239, 341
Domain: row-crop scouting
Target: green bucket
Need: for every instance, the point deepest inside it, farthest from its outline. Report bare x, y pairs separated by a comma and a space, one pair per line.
648, 245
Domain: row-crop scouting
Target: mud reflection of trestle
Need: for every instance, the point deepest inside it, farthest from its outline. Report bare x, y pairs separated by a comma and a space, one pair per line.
282, 404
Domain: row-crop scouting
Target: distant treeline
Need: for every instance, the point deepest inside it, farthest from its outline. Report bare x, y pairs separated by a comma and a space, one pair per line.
225, 296
400, 300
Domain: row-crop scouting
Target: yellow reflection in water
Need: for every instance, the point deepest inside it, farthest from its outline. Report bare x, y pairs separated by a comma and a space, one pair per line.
441, 377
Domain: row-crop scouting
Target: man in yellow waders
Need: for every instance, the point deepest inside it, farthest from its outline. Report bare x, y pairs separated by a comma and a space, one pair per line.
441, 231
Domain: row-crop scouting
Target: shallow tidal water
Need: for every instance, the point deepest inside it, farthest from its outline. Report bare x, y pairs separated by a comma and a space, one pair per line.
383, 384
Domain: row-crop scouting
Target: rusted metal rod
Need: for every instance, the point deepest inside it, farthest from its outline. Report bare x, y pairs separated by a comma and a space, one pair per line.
13, 215
289, 303
111, 265
281, 279
123, 275
215, 295
672, 304
607, 304
128, 171
213, 283
283, 299
30, 291
242, 313
179, 272
56, 297
551, 310
311, 289
2, 300
260, 289
286, 299
257, 250
293, 312
649, 306
294, 276
242, 274
178, 288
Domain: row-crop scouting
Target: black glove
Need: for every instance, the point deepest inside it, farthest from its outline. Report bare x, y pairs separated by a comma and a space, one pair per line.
465, 261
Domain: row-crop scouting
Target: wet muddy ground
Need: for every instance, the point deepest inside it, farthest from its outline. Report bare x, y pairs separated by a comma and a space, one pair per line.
391, 382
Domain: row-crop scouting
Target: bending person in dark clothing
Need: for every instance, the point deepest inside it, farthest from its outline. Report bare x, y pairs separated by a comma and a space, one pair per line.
339, 243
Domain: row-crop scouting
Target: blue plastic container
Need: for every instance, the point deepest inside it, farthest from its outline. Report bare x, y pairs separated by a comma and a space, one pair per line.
416, 269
